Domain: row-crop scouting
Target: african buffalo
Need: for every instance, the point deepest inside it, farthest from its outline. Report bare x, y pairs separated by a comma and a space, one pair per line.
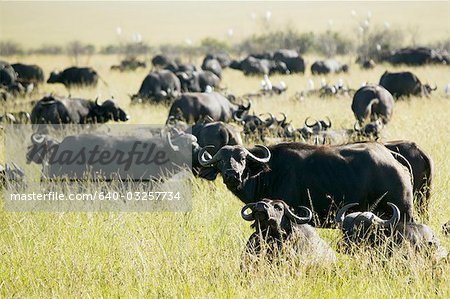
360, 227
129, 64
74, 76
223, 58
53, 110
8, 75
255, 66
293, 61
198, 81
158, 86
328, 66
282, 231
163, 61
29, 73
417, 56
319, 177
404, 84
80, 156
373, 101
422, 166
191, 107
212, 65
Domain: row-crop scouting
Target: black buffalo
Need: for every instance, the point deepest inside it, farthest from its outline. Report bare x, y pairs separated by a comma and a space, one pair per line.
255, 66
366, 227
8, 75
29, 73
404, 84
212, 65
373, 101
284, 232
48, 151
53, 110
293, 61
198, 81
422, 166
319, 177
328, 66
129, 64
191, 107
163, 61
75, 76
158, 86
223, 58
417, 56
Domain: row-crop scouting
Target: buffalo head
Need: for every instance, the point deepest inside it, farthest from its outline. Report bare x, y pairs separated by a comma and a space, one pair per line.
109, 110
358, 226
274, 215
55, 77
235, 163
42, 146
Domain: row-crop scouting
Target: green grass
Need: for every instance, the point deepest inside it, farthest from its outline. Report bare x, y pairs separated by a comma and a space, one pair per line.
198, 254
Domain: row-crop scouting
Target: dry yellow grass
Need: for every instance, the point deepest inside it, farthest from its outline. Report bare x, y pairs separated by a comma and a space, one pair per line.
197, 254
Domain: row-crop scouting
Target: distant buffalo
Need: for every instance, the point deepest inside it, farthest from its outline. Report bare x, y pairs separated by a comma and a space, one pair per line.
417, 56
129, 64
29, 73
294, 62
404, 84
75, 76
158, 86
373, 101
328, 66
223, 58
191, 107
198, 81
53, 110
212, 65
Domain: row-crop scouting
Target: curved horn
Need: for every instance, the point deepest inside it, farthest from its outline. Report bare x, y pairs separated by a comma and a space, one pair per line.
340, 215
236, 117
96, 102
328, 125
395, 216
248, 217
203, 161
37, 138
298, 219
175, 148
272, 119
357, 126
435, 87
261, 160
249, 104
284, 118
306, 122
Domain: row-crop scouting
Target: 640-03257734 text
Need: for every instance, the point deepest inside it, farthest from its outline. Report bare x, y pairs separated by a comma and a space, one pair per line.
97, 196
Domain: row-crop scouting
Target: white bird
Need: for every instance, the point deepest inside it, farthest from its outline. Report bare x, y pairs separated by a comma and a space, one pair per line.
323, 82
208, 89
447, 90
310, 84
266, 84
340, 83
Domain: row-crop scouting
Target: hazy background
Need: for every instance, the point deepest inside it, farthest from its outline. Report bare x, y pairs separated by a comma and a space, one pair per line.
36, 23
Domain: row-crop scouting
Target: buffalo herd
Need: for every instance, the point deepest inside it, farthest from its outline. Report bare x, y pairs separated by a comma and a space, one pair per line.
311, 176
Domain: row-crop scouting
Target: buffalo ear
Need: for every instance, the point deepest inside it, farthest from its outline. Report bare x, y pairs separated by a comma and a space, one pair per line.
255, 168
209, 173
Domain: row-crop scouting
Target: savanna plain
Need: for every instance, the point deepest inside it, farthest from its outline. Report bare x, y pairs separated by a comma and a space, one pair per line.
198, 253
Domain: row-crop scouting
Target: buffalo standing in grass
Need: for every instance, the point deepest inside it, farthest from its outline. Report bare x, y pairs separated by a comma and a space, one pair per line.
373, 101
410, 155
29, 73
198, 81
278, 227
328, 66
194, 106
404, 84
157, 87
319, 177
75, 76
53, 110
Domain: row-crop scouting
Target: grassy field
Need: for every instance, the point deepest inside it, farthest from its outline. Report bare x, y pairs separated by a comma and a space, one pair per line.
198, 254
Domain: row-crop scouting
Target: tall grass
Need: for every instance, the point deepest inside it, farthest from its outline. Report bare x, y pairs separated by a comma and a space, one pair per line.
198, 254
